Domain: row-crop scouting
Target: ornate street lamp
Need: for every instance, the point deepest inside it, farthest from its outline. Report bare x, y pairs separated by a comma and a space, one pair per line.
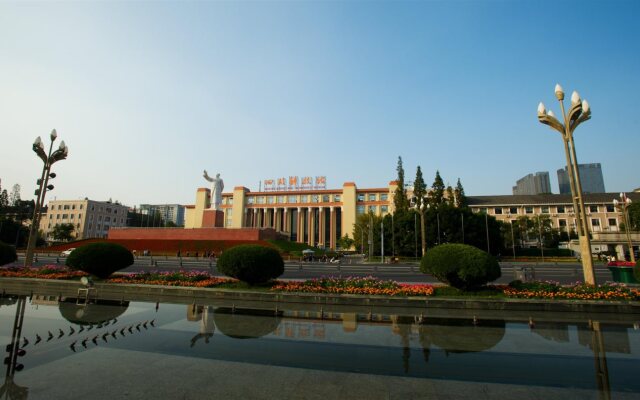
48, 159
419, 205
623, 207
578, 113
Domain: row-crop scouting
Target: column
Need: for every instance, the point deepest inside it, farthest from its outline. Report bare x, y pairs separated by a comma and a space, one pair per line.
310, 227
254, 218
285, 220
332, 228
321, 226
299, 233
245, 218
276, 217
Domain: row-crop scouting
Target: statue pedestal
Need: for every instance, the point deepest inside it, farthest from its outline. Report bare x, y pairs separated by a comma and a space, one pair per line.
213, 219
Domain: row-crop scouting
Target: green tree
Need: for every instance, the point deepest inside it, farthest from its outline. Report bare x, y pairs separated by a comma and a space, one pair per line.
400, 200
345, 242
450, 197
366, 233
436, 195
62, 232
14, 197
419, 188
458, 193
4, 200
634, 216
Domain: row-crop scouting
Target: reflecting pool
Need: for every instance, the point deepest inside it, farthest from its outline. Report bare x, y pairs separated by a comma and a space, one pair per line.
58, 349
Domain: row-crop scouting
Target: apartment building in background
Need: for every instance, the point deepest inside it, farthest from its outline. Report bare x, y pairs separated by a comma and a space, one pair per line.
590, 178
90, 218
537, 183
169, 212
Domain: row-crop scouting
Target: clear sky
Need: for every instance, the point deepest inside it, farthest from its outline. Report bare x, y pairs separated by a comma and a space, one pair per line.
149, 94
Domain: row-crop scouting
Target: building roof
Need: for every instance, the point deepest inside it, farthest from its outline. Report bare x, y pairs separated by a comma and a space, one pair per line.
545, 199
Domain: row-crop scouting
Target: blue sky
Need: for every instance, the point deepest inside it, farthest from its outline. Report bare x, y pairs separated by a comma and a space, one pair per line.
147, 95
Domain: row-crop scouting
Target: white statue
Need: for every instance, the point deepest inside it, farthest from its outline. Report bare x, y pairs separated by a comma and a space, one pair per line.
217, 185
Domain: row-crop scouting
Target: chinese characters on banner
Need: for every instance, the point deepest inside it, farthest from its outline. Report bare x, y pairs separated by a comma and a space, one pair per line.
295, 183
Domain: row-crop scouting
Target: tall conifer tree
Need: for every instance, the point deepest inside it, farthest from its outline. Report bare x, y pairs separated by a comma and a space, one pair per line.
419, 188
436, 195
461, 199
400, 200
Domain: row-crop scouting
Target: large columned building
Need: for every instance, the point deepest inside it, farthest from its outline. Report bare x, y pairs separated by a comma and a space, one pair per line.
317, 217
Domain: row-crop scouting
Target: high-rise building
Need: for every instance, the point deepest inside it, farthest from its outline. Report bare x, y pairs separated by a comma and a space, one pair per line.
590, 178
537, 183
168, 212
90, 218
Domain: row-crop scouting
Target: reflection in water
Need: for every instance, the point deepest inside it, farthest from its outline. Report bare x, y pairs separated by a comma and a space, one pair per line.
451, 348
99, 313
204, 314
10, 389
245, 323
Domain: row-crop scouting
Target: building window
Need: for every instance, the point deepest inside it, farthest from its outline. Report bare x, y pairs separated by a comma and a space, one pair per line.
65, 216
610, 208
79, 216
360, 196
359, 210
482, 210
545, 209
230, 201
372, 197
373, 209
303, 198
325, 198
384, 197
560, 209
336, 197
497, 210
251, 200
66, 207
73, 206
81, 206
260, 200
50, 216
57, 216
513, 210
270, 199
595, 222
613, 222
115, 211
593, 208
71, 216
315, 198
528, 210
293, 199
562, 223
282, 199
384, 209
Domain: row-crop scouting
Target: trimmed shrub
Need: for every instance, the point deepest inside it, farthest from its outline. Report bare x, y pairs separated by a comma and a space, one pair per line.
100, 259
7, 254
462, 266
251, 263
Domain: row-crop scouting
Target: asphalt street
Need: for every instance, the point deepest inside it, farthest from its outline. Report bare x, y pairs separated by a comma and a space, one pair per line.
558, 272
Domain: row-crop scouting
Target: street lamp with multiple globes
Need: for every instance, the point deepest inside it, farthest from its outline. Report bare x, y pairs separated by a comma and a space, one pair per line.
578, 113
623, 207
48, 159
420, 207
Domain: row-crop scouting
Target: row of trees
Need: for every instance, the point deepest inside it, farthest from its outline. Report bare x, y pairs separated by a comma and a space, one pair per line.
448, 219
15, 215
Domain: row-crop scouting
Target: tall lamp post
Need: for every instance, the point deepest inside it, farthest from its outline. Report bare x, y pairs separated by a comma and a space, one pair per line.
420, 207
48, 159
578, 113
623, 207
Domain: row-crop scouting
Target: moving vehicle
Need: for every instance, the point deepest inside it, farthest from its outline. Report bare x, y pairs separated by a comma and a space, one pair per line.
67, 252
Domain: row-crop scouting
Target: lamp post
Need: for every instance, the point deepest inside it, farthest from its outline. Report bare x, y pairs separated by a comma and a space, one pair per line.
48, 160
578, 113
623, 207
420, 207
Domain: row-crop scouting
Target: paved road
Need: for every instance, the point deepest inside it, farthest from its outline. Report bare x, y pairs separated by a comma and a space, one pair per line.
560, 272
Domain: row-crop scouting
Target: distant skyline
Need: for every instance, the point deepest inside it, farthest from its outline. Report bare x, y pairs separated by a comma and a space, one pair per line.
149, 94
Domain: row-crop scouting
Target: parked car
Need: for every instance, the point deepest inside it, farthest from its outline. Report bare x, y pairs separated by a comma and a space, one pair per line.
67, 252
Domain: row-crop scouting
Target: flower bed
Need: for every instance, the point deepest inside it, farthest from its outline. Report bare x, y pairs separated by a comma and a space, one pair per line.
353, 285
174, 278
578, 291
45, 272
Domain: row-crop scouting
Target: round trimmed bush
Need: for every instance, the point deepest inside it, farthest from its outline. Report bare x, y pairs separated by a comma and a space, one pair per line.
251, 263
7, 254
100, 259
461, 266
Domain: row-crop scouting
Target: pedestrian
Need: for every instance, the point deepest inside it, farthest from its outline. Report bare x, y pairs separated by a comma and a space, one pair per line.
178, 254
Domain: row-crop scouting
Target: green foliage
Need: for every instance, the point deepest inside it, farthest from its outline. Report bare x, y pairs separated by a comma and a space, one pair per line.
459, 196
4, 200
251, 263
400, 200
100, 259
12, 231
419, 188
345, 242
7, 254
367, 226
634, 216
461, 266
62, 232
285, 246
436, 195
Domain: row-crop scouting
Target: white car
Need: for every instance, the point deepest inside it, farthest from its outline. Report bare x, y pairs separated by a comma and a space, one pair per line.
67, 252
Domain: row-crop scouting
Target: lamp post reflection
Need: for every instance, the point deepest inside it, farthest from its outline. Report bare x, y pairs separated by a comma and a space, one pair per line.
10, 390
